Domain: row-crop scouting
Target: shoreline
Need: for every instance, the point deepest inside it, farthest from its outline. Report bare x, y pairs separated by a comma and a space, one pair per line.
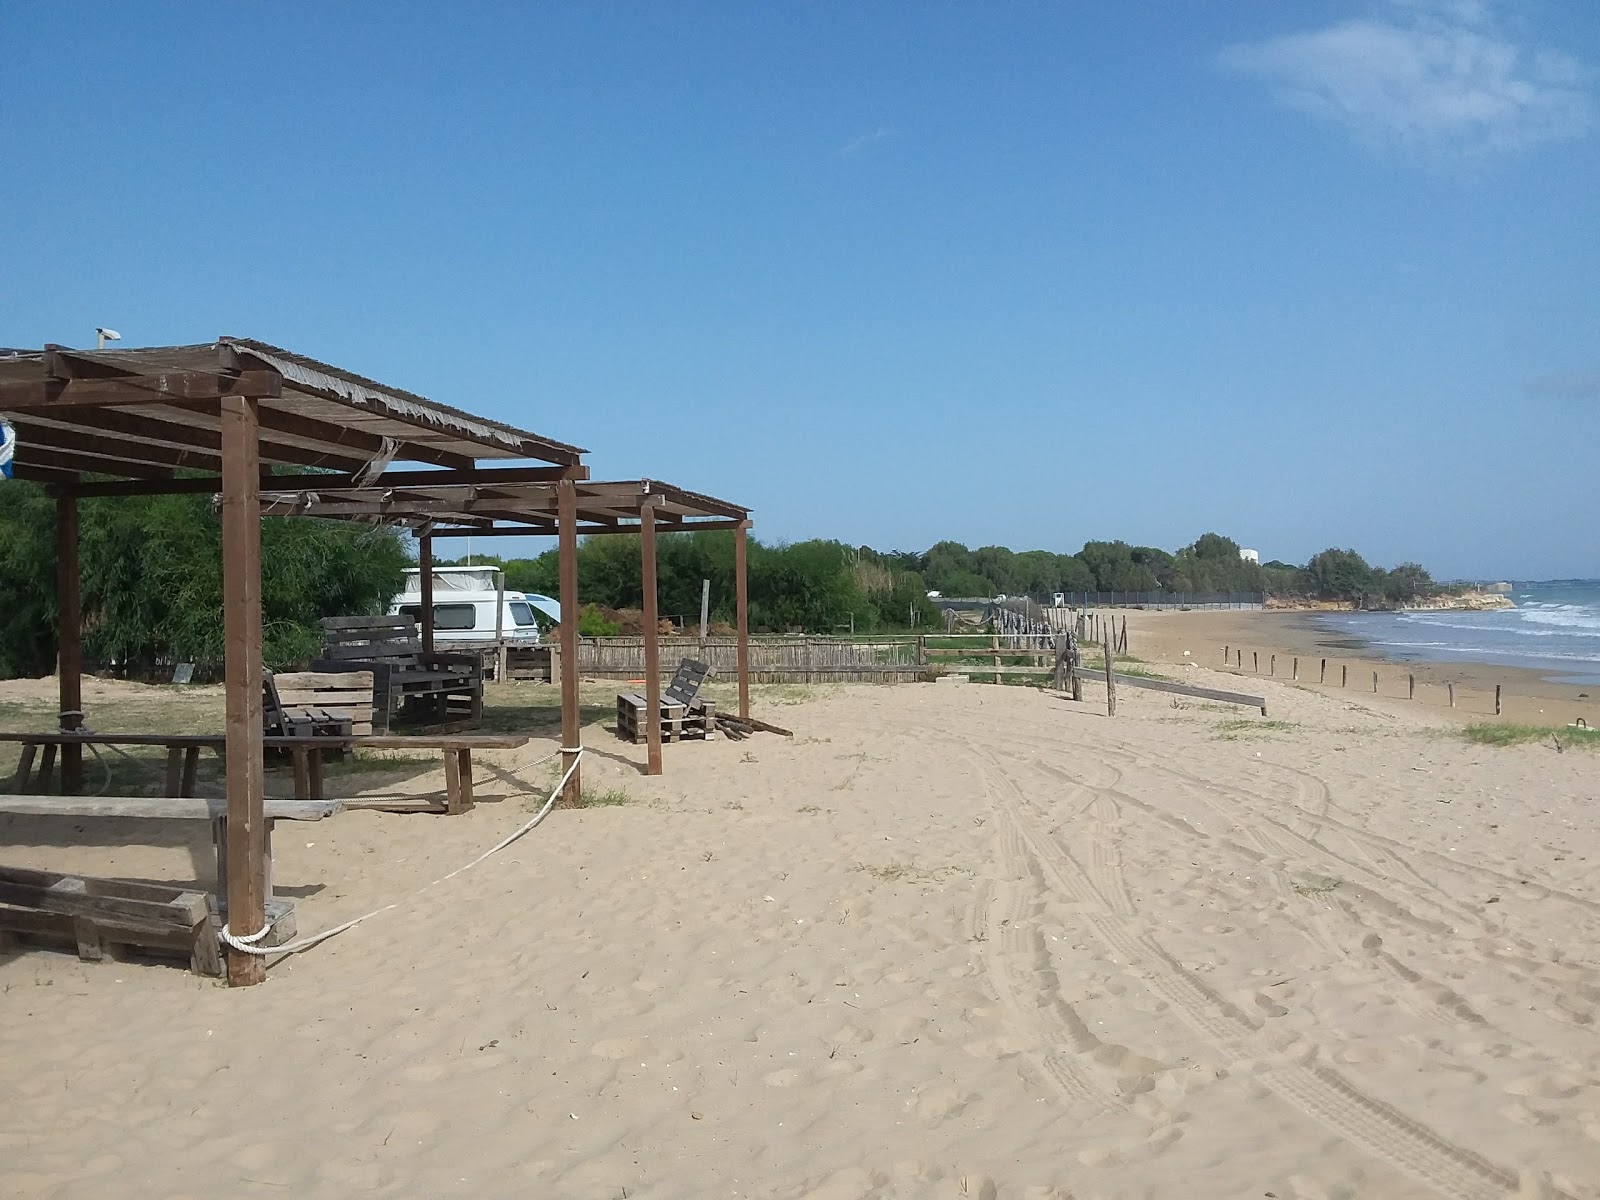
1528, 696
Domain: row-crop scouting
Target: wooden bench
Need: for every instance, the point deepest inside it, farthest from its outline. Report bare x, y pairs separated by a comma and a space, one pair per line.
443, 687
457, 748
174, 808
306, 751
683, 713
97, 914
183, 754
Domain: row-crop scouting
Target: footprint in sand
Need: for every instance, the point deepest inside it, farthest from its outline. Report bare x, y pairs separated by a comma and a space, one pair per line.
942, 1102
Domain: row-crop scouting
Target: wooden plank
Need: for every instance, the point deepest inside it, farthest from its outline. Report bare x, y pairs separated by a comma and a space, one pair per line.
652, 639
75, 901
406, 649
245, 848
158, 808
59, 738
1179, 689
333, 624
166, 387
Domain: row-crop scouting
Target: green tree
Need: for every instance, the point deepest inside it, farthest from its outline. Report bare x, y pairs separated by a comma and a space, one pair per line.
1341, 574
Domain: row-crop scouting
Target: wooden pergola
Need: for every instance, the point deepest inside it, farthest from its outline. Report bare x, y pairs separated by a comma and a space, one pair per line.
224, 418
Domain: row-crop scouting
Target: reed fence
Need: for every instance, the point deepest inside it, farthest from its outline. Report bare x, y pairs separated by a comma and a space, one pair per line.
788, 659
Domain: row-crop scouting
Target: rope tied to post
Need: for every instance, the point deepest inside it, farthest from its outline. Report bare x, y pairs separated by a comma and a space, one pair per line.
245, 943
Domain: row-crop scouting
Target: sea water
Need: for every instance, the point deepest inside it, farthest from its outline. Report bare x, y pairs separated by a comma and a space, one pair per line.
1554, 628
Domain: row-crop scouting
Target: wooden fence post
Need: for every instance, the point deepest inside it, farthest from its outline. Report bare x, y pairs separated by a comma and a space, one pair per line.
994, 649
1272, 665
1323, 677
1497, 699
1227, 655
1344, 674
1062, 667
1450, 688
1374, 683
1411, 687
1111, 684
1294, 670
1255, 661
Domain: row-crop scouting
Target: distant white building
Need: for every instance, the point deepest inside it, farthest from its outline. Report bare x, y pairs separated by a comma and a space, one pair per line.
1250, 556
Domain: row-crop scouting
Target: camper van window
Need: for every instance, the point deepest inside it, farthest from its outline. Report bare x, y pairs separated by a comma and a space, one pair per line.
445, 616
522, 612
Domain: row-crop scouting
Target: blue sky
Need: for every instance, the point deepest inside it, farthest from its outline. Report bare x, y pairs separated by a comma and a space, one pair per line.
1303, 273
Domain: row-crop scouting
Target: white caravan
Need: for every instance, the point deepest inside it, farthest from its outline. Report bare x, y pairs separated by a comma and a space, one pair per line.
463, 606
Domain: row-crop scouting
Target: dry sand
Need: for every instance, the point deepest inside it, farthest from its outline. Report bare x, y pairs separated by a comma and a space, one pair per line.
950, 941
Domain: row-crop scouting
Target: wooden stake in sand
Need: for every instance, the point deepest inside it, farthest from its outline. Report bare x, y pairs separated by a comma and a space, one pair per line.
1497, 699
1411, 687
1374, 683
1451, 689
1323, 677
1344, 675
1111, 684
1294, 669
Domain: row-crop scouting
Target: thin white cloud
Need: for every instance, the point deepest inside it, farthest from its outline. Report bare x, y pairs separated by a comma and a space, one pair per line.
856, 145
1432, 75
1580, 385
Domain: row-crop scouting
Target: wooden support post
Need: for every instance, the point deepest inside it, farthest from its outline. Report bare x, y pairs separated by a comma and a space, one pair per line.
567, 540
1450, 689
1497, 700
1227, 655
69, 639
741, 604
1411, 687
1255, 661
1063, 667
246, 848
1344, 674
425, 589
1322, 676
1272, 665
652, 637
994, 651
1075, 656
1294, 670
922, 656
1374, 683
500, 666
1111, 683
705, 615
1238, 656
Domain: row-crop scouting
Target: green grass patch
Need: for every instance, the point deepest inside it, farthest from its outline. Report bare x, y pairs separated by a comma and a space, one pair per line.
1240, 728
611, 797
1489, 733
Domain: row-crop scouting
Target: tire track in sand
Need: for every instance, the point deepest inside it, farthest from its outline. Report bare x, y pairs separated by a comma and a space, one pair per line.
1320, 1092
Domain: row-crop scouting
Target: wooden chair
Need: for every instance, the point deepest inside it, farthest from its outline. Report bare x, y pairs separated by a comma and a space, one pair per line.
683, 713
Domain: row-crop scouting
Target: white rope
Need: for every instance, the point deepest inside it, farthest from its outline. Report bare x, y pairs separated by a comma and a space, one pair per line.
245, 942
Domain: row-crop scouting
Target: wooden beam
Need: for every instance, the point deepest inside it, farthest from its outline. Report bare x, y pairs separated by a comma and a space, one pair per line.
652, 639
241, 613
425, 590
69, 639
117, 449
741, 603
295, 425
65, 460
168, 387
144, 427
571, 729
1178, 689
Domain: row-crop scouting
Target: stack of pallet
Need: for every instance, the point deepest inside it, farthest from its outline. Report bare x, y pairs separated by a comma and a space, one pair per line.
679, 722
98, 915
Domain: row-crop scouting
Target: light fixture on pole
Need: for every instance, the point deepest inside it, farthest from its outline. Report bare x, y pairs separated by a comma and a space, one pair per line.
102, 336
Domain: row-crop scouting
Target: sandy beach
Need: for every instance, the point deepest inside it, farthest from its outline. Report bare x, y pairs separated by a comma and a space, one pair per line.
1528, 696
948, 941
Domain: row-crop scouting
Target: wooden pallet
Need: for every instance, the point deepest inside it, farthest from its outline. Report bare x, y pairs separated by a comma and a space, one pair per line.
679, 722
102, 916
